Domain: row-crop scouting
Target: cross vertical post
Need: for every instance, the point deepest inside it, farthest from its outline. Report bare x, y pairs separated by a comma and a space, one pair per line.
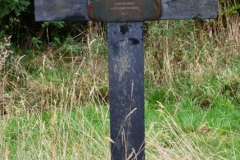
126, 55
126, 87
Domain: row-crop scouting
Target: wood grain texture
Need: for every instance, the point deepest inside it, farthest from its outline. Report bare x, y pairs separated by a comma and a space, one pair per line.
189, 9
60, 10
76, 10
126, 87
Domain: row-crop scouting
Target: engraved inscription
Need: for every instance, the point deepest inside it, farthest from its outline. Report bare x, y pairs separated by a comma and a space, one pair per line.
124, 7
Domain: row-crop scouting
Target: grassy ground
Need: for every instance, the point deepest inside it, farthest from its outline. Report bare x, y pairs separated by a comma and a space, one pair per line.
83, 133
54, 103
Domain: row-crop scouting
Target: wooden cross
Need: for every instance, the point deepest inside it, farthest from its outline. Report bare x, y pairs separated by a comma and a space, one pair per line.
125, 55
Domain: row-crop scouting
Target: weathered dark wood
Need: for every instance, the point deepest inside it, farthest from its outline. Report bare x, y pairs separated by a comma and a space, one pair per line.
77, 9
60, 10
126, 65
126, 85
189, 9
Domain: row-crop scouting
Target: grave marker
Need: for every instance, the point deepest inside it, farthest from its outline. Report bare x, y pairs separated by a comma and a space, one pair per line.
125, 56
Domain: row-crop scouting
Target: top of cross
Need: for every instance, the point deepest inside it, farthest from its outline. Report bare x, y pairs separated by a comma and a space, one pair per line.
76, 10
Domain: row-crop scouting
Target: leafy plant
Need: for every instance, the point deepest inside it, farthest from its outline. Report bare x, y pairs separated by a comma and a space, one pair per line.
10, 13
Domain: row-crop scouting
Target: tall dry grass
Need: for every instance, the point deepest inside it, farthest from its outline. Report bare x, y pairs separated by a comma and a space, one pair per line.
62, 83
190, 48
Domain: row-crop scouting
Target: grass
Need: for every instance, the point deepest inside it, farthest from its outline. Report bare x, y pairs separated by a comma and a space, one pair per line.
83, 133
59, 134
55, 105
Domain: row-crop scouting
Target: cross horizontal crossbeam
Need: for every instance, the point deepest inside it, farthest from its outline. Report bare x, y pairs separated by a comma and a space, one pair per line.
76, 10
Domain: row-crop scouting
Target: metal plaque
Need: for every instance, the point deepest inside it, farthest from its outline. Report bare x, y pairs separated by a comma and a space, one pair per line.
124, 10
